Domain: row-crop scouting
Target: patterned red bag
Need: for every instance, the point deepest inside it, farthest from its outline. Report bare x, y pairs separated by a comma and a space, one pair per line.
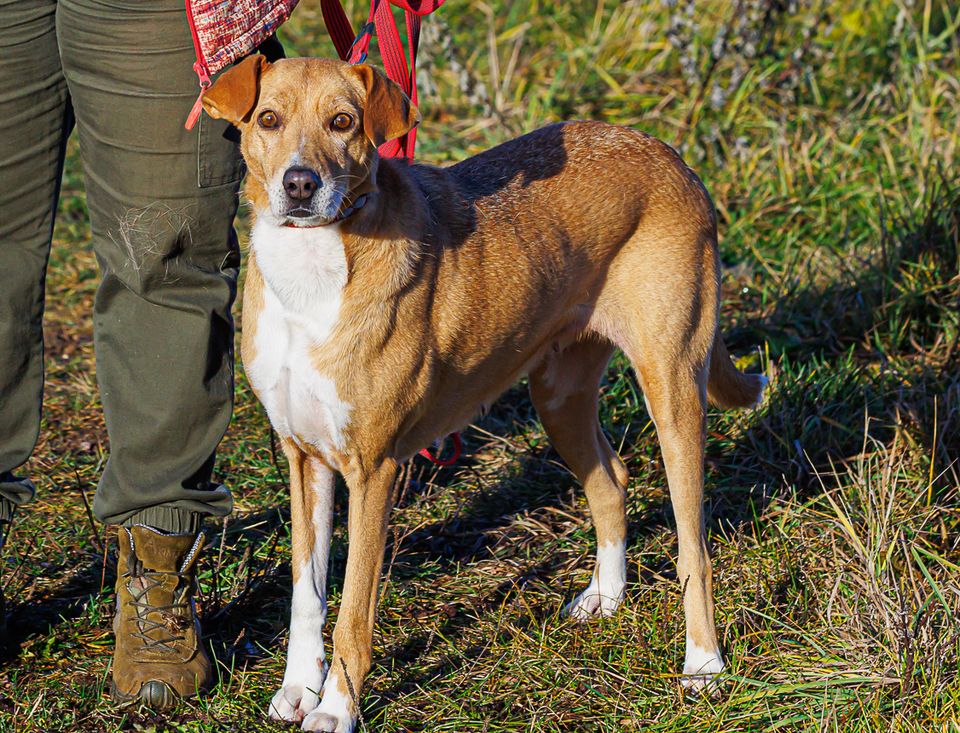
226, 30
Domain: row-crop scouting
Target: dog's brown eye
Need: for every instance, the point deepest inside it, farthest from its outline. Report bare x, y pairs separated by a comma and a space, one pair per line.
342, 121
268, 119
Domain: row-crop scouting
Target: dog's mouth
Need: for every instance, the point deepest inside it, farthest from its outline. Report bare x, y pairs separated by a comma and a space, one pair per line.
306, 214
300, 212
318, 210
304, 218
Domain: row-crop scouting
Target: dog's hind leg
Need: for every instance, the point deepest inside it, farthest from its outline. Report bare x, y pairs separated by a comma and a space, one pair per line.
564, 389
311, 519
676, 396
668, 340
678, 407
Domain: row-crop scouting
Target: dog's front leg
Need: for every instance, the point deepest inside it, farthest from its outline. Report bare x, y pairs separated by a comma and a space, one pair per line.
311, 519
371, 499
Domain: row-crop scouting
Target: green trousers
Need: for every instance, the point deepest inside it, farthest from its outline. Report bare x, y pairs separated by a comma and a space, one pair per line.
162, 201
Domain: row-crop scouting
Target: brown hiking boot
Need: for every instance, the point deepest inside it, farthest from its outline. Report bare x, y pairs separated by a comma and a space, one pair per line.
159, 657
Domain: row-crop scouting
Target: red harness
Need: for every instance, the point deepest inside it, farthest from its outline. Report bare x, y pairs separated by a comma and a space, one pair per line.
353, 48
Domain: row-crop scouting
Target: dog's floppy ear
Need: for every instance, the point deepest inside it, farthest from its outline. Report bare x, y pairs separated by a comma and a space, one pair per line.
234, 94
387, 113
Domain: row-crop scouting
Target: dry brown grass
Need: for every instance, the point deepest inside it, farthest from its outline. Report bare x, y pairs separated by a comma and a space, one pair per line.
834, 509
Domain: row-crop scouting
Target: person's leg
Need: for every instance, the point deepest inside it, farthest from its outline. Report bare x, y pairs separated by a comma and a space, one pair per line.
162, 201
35, 120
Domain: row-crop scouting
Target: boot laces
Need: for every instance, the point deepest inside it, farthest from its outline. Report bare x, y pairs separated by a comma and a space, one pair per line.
166, 616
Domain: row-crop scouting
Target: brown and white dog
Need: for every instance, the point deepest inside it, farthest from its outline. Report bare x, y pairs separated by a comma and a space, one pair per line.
386, 303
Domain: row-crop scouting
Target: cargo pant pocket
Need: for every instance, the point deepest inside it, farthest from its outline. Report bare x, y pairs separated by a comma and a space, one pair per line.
218, 153
218, 159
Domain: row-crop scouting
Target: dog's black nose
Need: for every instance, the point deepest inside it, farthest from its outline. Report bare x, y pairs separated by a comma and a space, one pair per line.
300, 183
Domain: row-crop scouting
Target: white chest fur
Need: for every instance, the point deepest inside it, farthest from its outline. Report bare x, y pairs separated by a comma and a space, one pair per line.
304, 273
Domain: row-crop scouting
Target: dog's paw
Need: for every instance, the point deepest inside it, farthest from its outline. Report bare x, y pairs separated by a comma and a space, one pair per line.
606, 590
293, 703
701, 672
593, 603
701, 685
336, 713
320, 720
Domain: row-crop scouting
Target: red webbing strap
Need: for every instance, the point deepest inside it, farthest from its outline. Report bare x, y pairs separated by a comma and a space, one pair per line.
394, 63
436, 459
354, 49
413, 39
361, 44
338, 26
391, 48
418, 7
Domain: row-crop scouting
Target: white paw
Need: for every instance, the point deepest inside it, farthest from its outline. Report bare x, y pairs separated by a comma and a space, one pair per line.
294, 702
335, 712
328, 722
701, 684
605, 592
593, 603
701, 670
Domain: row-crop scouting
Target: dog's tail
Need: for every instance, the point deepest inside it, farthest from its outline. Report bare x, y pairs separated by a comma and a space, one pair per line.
727, 386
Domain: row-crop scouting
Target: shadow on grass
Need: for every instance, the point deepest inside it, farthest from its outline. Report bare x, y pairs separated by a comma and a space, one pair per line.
874, 343
242, 620
473, 534
66, 601
843, 349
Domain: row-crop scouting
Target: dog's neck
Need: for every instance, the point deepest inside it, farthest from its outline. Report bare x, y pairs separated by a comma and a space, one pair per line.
395, 207
385, 240
412, 213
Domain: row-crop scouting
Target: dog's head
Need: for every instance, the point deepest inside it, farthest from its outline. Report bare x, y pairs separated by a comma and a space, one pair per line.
309, 130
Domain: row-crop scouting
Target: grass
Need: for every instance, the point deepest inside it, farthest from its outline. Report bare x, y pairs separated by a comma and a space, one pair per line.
828, 134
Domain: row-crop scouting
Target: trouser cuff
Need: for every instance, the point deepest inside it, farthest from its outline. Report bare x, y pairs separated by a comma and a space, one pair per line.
14, 491
6, 514
167, 519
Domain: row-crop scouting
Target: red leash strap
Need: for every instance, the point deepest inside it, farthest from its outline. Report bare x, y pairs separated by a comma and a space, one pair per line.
457, 450
338, 26
395, 62
413, 39
353, 48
